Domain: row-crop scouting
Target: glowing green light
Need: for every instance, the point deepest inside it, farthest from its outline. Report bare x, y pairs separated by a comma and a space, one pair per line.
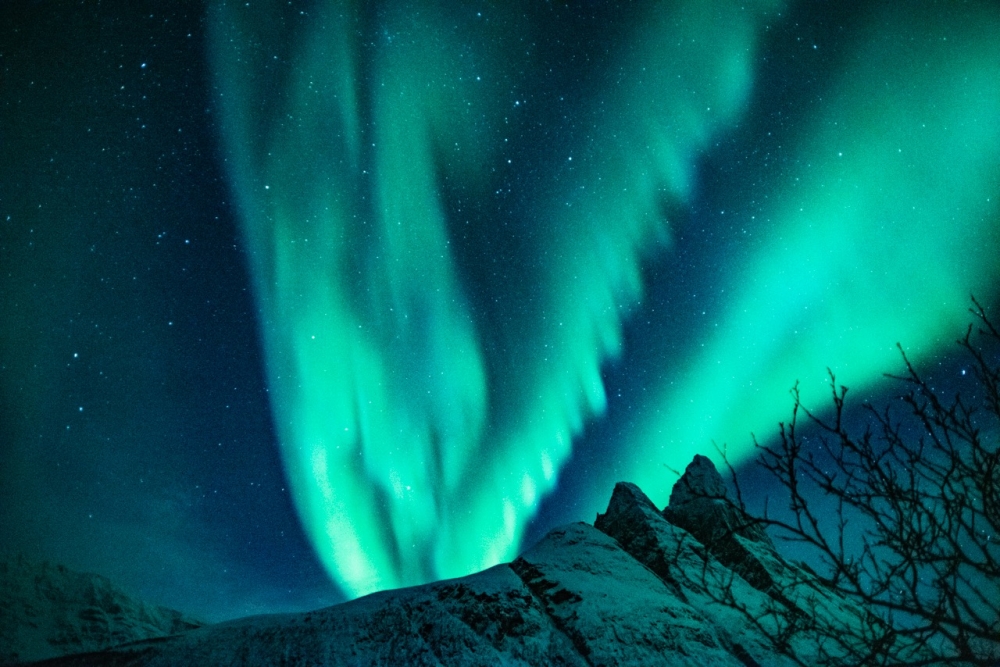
885, 228
378, 376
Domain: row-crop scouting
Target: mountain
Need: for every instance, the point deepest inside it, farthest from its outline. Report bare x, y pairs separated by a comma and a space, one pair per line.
48, 610
699, 583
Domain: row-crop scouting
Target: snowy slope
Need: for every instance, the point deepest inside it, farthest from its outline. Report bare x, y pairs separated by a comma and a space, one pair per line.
47, 610
696, 584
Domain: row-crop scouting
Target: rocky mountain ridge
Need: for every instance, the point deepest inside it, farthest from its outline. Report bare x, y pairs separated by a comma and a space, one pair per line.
699, 583
48, 610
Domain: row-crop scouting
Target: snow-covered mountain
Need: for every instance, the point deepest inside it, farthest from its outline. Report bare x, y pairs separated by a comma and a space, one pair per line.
699, 583
48, 610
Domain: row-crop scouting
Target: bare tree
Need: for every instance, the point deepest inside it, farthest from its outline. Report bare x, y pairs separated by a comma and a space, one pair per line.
917, 521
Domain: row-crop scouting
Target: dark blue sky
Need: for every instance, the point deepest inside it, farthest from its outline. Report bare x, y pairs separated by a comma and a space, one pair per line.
136, 433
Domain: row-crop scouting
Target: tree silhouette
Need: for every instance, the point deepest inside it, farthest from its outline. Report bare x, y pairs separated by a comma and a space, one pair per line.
915, 531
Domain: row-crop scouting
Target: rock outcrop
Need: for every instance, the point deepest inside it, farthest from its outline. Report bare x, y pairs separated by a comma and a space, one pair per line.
700, 505
699, 583
809, 616
48, 610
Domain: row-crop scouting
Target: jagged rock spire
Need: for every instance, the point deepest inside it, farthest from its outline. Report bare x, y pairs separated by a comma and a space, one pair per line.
700, 480
700, 505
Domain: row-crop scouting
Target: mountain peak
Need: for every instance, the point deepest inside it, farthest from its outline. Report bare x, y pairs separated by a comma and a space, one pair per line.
697, 583
48, 610
700, 480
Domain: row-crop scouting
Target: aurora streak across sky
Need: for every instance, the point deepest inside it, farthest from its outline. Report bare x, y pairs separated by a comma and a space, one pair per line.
448, 209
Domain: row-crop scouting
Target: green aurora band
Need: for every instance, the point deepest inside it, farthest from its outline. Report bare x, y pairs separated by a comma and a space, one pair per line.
880, 233
418, 433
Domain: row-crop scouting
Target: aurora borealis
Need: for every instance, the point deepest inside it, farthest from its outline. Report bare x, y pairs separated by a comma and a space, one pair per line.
411, 455
410, 458
482, 260
879, 238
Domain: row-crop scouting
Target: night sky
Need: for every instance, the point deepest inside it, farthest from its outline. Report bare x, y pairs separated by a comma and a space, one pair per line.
304, 300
